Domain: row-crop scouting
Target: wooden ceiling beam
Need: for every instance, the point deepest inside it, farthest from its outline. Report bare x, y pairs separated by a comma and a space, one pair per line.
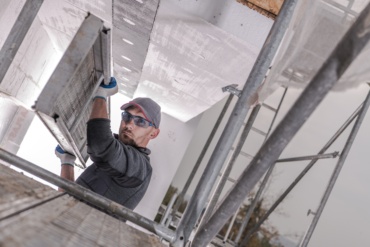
269, 8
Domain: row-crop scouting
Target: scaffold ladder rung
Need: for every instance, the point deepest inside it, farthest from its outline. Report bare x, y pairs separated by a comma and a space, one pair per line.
244, 154
269, 107
259, 131
228, 178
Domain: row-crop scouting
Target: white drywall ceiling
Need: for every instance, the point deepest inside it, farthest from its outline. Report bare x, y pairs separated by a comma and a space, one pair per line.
194, 48
190, 59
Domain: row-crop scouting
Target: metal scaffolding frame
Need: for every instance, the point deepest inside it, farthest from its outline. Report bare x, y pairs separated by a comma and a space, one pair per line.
239, 113
17, 34
202, 154
300, 176
338, 167
337, 63
89, 196
344, 53
64, 104
225, 175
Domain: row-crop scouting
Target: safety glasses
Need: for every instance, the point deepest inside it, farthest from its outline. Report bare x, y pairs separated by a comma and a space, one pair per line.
138, 121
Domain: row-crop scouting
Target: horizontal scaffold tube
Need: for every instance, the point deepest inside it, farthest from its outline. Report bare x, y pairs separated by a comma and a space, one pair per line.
87, 195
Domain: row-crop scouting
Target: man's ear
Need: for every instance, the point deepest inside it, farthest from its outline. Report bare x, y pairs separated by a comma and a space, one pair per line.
154, 133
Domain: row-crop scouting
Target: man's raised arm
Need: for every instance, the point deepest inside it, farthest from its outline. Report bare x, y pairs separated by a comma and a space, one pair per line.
99, 109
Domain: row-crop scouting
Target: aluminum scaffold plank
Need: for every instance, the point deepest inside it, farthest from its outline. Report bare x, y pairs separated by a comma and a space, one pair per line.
33, 214
88, 196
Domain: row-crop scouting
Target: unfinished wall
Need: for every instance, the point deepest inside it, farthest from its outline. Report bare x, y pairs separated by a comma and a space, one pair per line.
14, 122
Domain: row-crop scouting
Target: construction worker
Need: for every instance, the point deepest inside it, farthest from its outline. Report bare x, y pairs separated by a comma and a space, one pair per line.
121, 169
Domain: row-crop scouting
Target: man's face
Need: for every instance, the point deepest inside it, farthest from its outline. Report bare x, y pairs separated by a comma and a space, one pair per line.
134, 135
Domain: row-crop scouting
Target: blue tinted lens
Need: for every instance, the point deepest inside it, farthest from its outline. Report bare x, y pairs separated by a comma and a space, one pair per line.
141, 122
126, 116
138, 121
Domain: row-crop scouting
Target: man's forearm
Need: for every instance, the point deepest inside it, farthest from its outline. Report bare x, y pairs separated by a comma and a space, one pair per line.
99, 109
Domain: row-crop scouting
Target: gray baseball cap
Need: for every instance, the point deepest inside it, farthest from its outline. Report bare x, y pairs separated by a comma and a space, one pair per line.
151, 110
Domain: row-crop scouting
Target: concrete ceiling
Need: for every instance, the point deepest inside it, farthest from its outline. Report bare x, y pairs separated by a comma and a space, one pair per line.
195, 49
190, 60
181, 53
182, 60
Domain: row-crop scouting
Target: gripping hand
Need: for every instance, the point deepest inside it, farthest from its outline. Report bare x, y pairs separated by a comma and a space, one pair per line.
65, 158
105, 91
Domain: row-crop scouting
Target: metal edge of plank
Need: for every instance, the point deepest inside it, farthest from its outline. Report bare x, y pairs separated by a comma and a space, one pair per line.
69, 222
69, 64
59, 133
19, 192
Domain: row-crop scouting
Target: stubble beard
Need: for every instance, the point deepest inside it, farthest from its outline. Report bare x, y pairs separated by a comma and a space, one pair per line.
126, 139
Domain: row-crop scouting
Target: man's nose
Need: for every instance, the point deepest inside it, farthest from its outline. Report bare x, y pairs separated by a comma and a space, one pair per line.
130, 124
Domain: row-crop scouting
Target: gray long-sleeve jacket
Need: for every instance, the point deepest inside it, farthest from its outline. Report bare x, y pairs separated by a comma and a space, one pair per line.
120, 172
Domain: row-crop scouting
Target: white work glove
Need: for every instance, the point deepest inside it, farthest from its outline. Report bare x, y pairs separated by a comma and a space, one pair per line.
105, 91
65, 158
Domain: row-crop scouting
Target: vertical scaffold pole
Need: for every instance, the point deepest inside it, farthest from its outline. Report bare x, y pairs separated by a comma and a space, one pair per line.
337, 63
265, 179
338, 168
301, 175
225, 175
17, 34
240, 111
180, 198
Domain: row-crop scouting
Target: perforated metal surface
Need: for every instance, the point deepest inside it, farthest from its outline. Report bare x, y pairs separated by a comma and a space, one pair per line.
32, 214
65, 103
74, 102
73, 99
